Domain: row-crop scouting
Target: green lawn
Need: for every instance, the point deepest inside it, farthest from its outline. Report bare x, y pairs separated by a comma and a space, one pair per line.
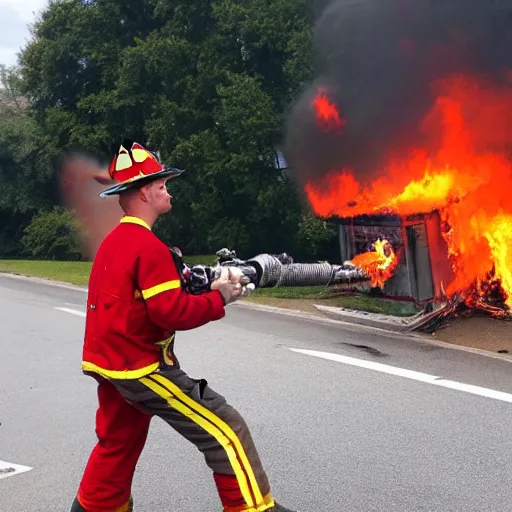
74, 272
77, 273
333, 297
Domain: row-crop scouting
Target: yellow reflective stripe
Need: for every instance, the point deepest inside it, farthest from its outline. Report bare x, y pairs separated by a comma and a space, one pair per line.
226, 431
159, 288
162, 390
166, 342
165, 348
269, 504
119, 374
127, 219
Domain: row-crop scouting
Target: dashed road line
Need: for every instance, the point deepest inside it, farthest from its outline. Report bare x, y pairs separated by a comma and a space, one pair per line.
72, 311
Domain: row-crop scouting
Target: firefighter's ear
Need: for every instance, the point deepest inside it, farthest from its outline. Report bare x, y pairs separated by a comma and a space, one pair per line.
144, 194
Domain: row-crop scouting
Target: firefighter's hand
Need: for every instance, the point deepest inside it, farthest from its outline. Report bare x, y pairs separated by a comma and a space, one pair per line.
237, 276
230, 291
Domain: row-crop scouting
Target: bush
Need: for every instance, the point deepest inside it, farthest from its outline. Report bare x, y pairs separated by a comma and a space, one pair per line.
53, 235
316, 239
312, 235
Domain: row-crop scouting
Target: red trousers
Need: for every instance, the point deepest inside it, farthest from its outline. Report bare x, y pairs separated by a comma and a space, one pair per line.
122, 431
190, 407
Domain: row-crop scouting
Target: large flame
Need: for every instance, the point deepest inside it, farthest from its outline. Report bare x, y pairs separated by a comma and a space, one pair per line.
465, 174
378, 264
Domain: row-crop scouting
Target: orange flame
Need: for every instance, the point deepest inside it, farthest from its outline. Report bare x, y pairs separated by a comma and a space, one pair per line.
327, 115
466, 174
379, 264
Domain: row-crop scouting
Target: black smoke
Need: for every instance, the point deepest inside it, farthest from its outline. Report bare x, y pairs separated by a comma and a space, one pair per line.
377, 60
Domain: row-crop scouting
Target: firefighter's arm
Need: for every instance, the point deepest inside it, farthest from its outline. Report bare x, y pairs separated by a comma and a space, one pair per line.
169, 306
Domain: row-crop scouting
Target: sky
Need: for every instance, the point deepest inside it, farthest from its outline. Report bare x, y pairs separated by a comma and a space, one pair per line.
15, 16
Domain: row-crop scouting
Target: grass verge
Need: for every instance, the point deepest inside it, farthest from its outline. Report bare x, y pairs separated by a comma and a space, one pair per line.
73, 272
303, 298
310, 295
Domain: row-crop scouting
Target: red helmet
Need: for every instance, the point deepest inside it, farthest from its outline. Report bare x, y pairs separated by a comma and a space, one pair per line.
134, 166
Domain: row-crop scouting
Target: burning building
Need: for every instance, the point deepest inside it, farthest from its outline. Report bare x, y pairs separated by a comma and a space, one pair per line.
415, 266
409, 128
463, 187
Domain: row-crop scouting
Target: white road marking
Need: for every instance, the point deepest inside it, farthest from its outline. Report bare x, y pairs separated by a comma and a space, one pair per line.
409, 374
8, 469
72, 311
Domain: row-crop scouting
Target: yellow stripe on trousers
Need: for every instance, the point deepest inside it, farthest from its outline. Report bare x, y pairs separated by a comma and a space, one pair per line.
217, 428
222, 426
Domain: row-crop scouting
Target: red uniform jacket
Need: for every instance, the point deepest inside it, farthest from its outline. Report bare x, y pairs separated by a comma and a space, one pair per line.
135, 303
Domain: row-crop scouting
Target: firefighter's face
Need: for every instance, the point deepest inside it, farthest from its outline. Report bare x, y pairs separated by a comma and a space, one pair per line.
157, 196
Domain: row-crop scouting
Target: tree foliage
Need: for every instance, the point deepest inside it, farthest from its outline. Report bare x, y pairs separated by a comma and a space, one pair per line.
52, 235
206, 82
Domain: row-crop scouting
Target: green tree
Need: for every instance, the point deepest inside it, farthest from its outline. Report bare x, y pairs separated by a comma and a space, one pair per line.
26, 173
207, 83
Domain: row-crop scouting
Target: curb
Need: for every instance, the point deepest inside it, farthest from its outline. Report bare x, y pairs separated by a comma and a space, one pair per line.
47, 282
378, 327
353, 326
390, 323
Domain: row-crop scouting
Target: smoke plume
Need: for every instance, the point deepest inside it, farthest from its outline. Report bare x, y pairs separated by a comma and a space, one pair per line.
377, 63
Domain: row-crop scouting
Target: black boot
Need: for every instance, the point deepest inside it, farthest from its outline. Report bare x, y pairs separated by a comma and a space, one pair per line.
280, 508
76, 507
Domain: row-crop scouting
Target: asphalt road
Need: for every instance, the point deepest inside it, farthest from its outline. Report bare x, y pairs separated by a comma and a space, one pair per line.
333, 436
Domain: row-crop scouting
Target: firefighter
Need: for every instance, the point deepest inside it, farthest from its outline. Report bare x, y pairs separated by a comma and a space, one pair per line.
135, 305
